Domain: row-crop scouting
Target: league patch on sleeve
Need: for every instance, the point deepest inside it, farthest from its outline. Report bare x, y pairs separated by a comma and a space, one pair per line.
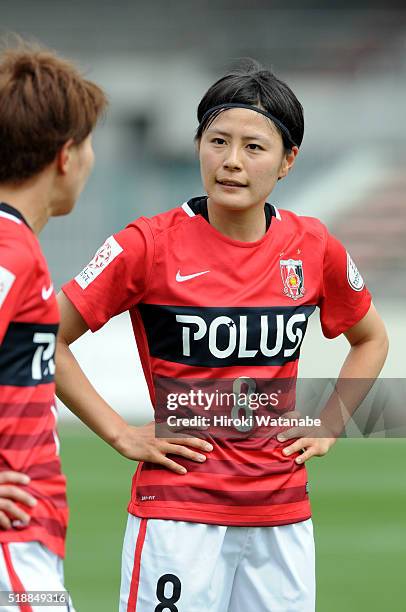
7, 279
355, 279
100, 261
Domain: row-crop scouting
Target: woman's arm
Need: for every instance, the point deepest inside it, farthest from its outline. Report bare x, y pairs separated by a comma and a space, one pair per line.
369, 348
79, 395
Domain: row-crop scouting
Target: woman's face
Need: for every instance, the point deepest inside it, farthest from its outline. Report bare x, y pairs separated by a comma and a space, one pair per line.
241, 158
76, 163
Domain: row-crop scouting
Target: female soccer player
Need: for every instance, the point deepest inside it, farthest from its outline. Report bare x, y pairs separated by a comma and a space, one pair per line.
219, 292
47, 113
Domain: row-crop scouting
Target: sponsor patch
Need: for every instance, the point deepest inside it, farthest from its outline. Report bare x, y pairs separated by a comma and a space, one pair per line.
216, 337
100, 261
355, 279
7, 279
292, 278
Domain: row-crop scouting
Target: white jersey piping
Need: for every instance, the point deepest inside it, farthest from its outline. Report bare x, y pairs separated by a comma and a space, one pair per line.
188, 210
277, 213
9, 217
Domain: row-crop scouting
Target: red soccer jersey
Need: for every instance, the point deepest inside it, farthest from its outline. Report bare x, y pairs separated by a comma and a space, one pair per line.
29, 319
206, 307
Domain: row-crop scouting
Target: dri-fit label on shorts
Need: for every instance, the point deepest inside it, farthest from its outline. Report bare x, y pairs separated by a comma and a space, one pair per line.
101, 260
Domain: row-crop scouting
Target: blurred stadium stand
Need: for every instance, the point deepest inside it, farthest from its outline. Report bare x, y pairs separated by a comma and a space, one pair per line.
376, 233
336, 36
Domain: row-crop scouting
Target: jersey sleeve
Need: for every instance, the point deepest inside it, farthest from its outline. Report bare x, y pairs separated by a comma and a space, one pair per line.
345, 300
16, 268
117, 276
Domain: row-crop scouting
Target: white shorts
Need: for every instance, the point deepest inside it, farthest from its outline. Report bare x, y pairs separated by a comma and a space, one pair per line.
174, 566
30, 566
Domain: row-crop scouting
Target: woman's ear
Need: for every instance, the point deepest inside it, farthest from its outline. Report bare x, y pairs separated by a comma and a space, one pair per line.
63, 157
287, 162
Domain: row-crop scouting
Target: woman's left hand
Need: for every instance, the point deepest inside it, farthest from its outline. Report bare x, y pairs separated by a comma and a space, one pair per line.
310, 441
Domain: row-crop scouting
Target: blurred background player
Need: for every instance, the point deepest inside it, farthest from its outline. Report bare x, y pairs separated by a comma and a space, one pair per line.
47, 114
221, 288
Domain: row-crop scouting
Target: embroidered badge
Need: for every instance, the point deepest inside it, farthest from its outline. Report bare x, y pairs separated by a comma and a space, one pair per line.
292, 278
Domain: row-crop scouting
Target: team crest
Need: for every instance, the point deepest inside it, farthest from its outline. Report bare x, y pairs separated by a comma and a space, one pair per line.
292, 278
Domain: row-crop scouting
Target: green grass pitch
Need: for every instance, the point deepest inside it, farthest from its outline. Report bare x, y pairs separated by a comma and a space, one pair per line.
358, 496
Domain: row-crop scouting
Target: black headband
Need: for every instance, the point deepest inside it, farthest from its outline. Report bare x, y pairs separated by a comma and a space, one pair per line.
287, 138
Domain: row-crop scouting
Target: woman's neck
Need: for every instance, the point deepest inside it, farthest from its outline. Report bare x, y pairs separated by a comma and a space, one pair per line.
248, 225
31, 200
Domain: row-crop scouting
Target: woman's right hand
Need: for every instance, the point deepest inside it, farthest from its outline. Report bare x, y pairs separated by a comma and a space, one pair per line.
11, 492
141, 444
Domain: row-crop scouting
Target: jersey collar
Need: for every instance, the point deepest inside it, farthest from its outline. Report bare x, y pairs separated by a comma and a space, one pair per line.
10, 210
198, 206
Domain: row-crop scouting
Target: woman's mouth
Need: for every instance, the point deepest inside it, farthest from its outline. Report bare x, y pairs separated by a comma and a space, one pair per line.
230, 184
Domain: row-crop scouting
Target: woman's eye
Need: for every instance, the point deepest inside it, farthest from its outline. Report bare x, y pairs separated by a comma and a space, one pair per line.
254, 147
218, 141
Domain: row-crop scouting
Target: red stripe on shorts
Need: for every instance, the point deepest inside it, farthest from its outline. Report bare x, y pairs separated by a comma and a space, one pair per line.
135, 578
16, 583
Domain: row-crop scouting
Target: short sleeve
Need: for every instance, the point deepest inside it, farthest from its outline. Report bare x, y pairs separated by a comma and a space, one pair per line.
117, 276
16, 267
345, 300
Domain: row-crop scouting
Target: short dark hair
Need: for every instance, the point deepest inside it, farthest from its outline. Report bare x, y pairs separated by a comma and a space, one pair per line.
44, 102
252, 84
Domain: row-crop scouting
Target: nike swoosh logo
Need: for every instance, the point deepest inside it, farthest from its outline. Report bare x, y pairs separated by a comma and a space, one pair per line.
182, 279
46, 293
